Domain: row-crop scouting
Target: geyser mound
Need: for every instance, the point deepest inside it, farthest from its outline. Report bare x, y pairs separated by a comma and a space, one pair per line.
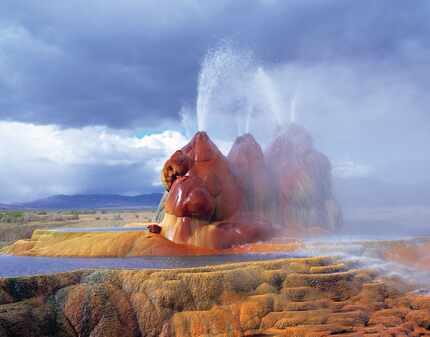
217, 202
304, 201
205, 205
247, 160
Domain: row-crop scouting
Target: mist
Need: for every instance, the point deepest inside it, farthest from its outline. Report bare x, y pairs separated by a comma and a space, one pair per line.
366, 118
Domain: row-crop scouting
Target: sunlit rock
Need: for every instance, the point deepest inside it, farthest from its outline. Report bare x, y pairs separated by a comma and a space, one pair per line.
190, 197
177, 166
314, 296
101, 244
209, 172
207, 204
142, 243
248, 192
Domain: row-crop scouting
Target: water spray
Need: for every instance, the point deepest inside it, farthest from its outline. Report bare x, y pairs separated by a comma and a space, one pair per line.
233, 86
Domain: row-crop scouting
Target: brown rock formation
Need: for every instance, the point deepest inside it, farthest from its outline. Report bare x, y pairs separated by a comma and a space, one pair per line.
205, 177
317, 296
302, 177
239, 197
206, 203
247, 159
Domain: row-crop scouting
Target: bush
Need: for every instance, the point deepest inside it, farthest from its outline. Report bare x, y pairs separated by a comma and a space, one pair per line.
12, 216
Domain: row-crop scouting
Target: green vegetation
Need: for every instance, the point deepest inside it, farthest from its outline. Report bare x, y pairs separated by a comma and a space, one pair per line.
12, 216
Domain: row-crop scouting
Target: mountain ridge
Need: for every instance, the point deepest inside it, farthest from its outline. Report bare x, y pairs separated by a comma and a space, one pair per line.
90, 201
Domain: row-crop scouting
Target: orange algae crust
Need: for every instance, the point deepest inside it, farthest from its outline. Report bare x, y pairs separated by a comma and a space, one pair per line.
139, 224
312, 296
416, 255
121, 244
100, 244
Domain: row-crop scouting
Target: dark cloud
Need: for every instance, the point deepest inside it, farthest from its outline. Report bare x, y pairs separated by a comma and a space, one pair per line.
360, 69
133, 64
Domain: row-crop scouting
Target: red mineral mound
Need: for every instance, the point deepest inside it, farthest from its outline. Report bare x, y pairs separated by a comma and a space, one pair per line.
206, 203
302, 178
249, 165
218, 202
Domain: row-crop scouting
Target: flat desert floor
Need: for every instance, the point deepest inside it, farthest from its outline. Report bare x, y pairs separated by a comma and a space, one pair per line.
16, 225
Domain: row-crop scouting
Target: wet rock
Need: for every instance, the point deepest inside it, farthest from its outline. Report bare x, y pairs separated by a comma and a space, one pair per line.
190, 198
154, 228
206, 204
159, 214
246, 299
177, 166
302, 178
289, 186
247, 159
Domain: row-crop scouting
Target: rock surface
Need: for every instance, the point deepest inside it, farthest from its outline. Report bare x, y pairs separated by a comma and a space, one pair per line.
247, 160
122, 244
304, 200
217, 202
413, 254
206, 205
316, 296
101, 244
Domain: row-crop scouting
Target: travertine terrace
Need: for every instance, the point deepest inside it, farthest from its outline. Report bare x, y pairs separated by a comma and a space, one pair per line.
317, 296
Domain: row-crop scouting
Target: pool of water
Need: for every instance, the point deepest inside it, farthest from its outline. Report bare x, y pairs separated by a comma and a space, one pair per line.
351, 245
343, 238
30, 265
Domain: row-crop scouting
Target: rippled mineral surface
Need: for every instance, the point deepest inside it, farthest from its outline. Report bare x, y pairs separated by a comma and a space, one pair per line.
311, 296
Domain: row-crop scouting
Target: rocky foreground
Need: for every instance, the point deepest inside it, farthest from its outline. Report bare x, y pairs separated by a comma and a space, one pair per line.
316, 296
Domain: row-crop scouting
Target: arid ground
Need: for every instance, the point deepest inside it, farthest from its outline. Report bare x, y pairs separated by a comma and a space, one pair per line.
16, 225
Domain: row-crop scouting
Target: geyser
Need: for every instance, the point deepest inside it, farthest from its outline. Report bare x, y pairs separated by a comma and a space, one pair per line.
206, 203
237, 95
302, 180
219, 201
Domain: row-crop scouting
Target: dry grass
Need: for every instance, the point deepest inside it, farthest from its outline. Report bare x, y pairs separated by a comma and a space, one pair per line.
22, 227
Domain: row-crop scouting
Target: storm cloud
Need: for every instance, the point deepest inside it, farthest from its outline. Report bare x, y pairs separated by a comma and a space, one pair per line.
130, 67
135, 63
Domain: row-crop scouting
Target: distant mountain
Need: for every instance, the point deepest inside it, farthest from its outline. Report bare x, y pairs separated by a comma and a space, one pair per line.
93, 201
5, 207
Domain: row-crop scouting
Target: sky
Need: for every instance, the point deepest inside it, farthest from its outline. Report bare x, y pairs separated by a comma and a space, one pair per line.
95, 95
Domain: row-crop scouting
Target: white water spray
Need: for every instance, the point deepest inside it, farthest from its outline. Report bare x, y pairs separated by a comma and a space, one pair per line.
293, 111
237, 95
271, 96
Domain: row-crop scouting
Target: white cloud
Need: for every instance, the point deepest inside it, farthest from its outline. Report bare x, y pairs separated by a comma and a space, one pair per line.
39, 160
